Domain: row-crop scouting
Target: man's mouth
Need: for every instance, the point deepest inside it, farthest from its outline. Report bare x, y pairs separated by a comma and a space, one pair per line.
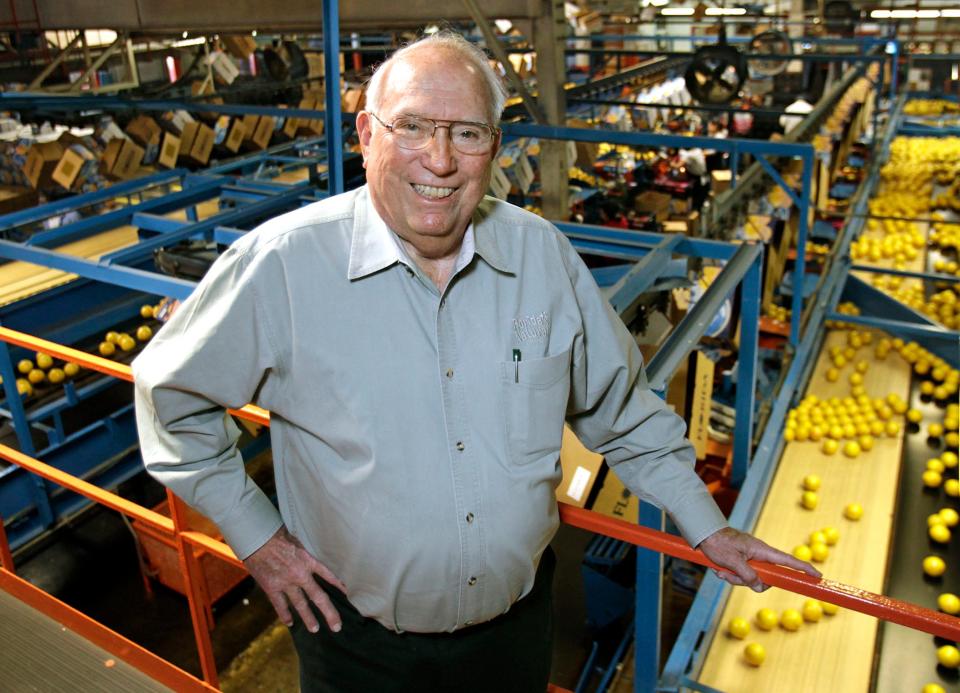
433, 191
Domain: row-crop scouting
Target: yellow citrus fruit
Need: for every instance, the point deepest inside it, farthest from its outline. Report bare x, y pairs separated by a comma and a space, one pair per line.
144, 333
866, 442
55, 375
950, 517
107, 348
829, 446
25, 366
851, 448
738, 628
767, 619
36, 376
892, 428
853, 511
935, 430
952, 439
818, 537
948, 656
832, 535
112, 337
949, 459
811, 482
146, 311
934, 566
934, 519
809, 500
802, 552
24, 387
44, 361
828, 608
127, 343
939, 533
932, 479
933, 688
819, 552
948, 603
754, 654
70, 369
832, 375
812, 611
936, 465
914, 416
790, 619
952, 487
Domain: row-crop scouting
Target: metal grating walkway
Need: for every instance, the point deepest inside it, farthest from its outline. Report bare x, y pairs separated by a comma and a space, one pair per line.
38, 654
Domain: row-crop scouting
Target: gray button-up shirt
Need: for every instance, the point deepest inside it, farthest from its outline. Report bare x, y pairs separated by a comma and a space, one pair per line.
415, 434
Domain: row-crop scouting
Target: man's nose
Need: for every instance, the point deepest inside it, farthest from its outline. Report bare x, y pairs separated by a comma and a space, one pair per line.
440, 153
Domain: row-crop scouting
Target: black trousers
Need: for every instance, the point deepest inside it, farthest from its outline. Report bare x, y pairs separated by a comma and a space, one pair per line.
512, 653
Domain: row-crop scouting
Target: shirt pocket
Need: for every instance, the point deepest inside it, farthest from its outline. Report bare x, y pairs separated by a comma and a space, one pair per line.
535, 396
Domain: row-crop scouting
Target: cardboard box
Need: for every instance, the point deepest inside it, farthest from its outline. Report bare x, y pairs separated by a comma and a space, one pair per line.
654, 203
144, 131
42, 159
175, 121
13, 198
353, 100
76, 163
310, 127
196, 143
249, 125
240, 46
235, 136
224, 69
316, 66
580, 468
614, 500
169, 151
128, 160
262, 134
719, 181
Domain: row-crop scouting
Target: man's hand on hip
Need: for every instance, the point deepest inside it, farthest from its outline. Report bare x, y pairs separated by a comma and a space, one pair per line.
731, 549
285, 571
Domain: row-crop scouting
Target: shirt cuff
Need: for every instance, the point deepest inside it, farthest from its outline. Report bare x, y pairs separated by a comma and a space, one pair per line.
251, 525
698, 518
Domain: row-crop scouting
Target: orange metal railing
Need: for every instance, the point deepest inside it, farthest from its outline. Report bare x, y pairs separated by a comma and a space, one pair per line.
190, 543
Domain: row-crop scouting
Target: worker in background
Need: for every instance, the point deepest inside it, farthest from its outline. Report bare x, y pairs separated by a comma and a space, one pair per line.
419, 347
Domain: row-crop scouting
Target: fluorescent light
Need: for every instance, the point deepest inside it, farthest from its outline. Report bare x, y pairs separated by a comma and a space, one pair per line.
927, 14
658, 3
677, 11
190, 42
880, 14
950, 13
726, 11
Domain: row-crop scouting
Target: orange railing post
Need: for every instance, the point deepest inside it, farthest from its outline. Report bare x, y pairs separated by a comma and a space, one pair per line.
201, 613
6, 558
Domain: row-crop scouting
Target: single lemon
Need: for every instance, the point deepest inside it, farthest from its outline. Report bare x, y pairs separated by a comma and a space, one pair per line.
754, 654
791, 619
853, 511
738, 628
767, 619
934, 566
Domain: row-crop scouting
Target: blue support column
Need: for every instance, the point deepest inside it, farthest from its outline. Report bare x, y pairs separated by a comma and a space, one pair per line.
331, 82
800, 264
646, 649
22, 428
750, 294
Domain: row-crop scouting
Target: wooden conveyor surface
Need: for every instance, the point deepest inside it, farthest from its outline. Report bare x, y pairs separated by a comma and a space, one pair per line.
835, 654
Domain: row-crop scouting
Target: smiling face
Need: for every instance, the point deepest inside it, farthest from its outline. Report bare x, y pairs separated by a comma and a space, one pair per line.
427, 196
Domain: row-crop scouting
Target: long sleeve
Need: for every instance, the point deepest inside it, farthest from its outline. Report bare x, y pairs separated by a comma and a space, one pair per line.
614, 412
215, 353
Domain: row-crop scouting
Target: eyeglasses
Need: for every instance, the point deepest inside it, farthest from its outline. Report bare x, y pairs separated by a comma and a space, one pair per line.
413, 132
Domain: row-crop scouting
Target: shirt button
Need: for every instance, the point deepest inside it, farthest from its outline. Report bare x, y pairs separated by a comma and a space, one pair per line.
460, 445
449, 372
469, 517
472, 581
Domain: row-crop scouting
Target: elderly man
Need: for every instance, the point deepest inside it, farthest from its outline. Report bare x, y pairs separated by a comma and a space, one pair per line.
420, 347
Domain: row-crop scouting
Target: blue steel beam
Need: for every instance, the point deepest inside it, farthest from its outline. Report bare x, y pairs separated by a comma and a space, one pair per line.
682, 339
745, 400
119, 217
41, 212
129, 277
641, 276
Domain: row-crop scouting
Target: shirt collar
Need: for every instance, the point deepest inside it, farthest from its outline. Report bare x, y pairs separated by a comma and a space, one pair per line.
375, 247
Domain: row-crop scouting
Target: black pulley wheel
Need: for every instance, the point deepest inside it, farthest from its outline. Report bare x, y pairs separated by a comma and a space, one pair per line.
716, 74
775, 44
840, 17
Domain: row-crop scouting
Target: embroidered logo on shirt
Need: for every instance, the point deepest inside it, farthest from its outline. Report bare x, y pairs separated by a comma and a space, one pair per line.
532, 326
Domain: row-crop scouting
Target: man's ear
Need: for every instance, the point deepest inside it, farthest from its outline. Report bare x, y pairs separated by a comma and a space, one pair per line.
365, 133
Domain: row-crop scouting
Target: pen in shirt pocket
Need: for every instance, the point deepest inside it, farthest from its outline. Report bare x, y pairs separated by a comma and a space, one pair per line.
516, 365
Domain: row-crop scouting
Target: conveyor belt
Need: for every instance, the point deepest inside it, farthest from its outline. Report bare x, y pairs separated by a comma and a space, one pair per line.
38, 654
837, 653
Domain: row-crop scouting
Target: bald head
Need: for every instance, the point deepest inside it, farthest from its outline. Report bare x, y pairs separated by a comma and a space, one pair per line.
445, 50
